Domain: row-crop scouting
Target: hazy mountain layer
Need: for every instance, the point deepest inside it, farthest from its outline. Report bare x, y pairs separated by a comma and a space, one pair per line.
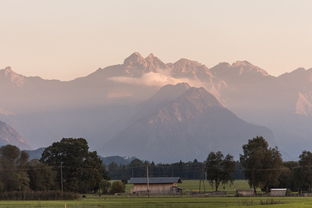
101, 105
187, 125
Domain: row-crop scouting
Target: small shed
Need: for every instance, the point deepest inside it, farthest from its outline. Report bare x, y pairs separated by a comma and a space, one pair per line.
278, 191
156, 185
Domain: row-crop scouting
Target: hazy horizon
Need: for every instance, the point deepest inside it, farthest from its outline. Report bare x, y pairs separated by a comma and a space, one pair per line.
68, 39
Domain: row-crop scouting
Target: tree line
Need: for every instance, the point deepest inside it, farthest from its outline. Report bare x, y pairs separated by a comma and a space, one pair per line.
186, 170
69, 166
260, 164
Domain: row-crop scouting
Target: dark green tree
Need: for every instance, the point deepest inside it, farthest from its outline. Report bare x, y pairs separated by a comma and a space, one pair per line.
288, 178
304, 173
82, 170
13, 174
42, 177
262, 165
219, 168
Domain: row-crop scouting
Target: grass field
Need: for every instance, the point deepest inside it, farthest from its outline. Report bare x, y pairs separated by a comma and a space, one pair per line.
193, 186
184, 201
163, 202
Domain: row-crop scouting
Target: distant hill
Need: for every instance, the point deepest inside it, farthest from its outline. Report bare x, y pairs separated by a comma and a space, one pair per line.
117, 159
36, 154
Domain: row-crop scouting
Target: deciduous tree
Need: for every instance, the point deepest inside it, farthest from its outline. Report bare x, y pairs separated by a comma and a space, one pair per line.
262, 165
219, 168
82, 170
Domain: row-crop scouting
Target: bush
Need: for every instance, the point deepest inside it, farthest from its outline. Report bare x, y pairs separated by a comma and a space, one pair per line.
38, 195
117, 187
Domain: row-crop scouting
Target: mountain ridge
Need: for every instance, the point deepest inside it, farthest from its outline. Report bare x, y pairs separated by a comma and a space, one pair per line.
100, 105
187, 126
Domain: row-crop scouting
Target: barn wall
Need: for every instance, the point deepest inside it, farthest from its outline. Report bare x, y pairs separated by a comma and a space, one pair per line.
153, 188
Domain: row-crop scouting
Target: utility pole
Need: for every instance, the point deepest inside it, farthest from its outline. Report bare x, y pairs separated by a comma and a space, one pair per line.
205, 178
62, 188
202, 179
147, 180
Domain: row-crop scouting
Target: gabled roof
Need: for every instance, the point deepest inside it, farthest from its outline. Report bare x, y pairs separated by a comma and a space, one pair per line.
155, 180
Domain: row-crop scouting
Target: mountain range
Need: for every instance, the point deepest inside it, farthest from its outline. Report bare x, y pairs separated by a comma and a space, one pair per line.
112, 108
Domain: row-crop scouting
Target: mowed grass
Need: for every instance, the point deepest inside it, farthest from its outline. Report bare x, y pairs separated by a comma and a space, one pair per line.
163, 202
195, 186
183, 201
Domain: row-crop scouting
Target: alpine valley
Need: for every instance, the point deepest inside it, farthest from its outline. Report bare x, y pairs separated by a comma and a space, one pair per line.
160, 111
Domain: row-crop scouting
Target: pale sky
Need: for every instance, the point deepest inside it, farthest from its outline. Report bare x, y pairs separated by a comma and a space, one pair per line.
64, 39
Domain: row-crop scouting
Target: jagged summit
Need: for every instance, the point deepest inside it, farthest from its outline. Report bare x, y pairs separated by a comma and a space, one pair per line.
187, 65
239, 72
247, 67
154, 62
149, 64
134, 59
7, 74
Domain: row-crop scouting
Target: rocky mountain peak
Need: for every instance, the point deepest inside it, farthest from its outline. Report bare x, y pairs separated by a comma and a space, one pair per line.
154, 63
8, 70
246, 67
186, 65
9, 75
135, 59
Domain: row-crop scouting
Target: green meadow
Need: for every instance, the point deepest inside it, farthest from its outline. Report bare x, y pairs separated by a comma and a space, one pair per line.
184, 201
163, 202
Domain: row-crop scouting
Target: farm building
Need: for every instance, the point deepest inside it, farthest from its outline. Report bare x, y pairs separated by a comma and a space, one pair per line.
278, 191
156, 185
